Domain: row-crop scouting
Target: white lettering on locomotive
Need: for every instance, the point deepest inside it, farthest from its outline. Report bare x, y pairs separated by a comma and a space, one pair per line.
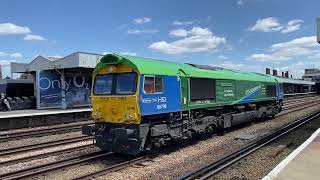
249, 91
162, 106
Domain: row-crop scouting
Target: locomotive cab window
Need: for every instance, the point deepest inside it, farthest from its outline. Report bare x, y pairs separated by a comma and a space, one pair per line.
153, 84
115, 84
126, 83
103, 84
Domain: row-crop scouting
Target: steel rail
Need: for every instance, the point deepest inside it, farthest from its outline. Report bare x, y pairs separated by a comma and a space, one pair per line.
293, 109
213, 168
40, 132
114, 168
37, 146
69, 150
291, 106
35, 170
300, 100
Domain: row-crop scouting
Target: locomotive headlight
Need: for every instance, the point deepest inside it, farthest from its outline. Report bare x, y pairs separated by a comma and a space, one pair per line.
97, 115
111, 69
129, 116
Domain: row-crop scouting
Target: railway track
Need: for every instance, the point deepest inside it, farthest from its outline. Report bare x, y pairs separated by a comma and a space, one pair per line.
40, 146
77, 127
35, 170
114, 168
299, 95
300, 100
302, 103
213, 168
297, 108
73, 161
41, 132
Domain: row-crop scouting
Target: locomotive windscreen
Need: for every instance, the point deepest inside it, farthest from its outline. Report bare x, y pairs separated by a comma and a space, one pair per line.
201, 88
115, 84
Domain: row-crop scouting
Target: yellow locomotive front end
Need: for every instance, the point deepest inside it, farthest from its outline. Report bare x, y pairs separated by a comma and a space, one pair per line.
115, 108
114, 95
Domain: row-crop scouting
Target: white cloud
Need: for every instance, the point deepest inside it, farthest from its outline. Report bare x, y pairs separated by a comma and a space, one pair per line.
142, 20
268, 58
32, 37
142, 31
231, 65
297, 69
3, 54
182, 23
9, 28
271, 24
197, 31
228, 64
310, 41
16, 55
5, 67
266, 25
292, 25
129, 53
13, 55
197, 40
105, 53
240, 2
179, 33
4, 63
285, 51
54, 56
222, 57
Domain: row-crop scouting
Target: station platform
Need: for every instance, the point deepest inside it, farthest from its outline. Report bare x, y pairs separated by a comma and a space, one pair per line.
34, 118
302, 163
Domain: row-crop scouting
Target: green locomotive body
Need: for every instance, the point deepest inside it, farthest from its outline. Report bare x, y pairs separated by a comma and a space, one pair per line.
140, 103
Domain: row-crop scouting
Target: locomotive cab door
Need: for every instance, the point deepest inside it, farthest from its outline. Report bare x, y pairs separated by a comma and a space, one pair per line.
184, 89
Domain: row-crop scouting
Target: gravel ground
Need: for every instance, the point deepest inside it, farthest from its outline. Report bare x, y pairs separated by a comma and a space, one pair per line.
73, 172
42, 127
22, 165
260, 163
35, 140
171, 165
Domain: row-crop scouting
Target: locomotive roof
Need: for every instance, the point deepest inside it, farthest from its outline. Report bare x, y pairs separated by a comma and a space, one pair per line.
160, 67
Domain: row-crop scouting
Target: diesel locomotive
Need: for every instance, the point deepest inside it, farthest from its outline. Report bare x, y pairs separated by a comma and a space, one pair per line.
139, 104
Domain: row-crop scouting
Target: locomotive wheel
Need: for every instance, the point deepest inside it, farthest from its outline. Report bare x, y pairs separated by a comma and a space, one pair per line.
264, 117
220, 130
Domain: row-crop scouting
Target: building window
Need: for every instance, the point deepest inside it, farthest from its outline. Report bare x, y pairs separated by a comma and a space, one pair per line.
153, 84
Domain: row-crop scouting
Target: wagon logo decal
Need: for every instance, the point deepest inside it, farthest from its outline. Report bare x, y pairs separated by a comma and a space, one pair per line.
252, 90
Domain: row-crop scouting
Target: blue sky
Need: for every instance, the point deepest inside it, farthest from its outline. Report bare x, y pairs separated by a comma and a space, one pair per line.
247, 35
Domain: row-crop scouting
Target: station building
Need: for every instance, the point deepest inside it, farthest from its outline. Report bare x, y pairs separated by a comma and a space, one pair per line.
60, 82
293, 86
312, 75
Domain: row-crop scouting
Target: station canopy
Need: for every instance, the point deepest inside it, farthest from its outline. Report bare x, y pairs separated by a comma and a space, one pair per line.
74, 60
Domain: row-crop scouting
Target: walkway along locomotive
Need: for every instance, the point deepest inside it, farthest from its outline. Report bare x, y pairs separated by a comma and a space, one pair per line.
139, 103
